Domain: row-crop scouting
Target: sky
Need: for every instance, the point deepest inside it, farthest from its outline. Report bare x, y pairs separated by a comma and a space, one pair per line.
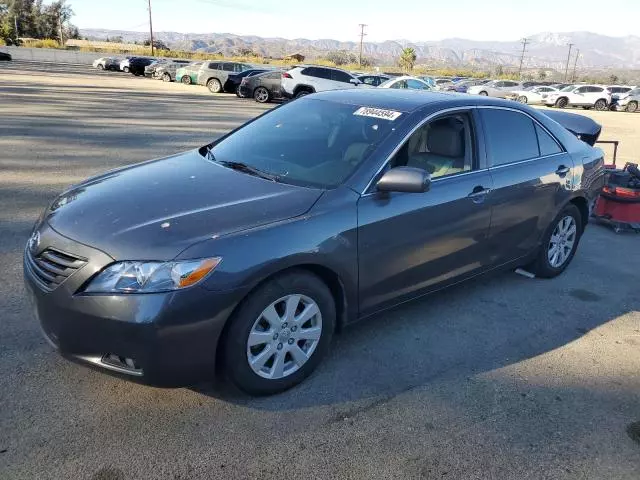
414, 20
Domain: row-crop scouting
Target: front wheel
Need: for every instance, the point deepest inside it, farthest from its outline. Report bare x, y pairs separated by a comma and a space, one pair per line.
483, 93
280, 334
214, 85
166, 77
559, 244
125, 69
261, 95
186, 79
562, 102
632, 106
601, 104
523, 99
100, 66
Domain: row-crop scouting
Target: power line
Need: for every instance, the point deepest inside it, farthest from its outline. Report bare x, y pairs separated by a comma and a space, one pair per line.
566, 69
575, 64
362, 34
525, 41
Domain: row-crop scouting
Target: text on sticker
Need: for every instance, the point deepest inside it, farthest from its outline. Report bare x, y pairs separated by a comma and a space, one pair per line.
377, 113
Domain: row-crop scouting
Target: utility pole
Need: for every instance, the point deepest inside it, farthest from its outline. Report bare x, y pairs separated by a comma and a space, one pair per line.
60, 28
575, 64
362, 34
151, 29
15, 24
525, 41
566, 69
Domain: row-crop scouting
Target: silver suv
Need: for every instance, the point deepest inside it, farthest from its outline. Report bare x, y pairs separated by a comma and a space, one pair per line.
305, 79
215, 74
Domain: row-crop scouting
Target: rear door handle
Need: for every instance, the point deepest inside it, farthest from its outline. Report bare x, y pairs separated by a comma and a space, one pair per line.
478, 194
562, 170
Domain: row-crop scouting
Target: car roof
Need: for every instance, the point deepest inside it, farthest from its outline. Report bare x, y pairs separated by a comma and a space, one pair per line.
405, 100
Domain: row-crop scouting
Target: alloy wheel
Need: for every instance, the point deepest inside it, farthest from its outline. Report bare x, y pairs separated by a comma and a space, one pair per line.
632, 106
522, 99
601, 105
284, 337
261, 95
562, 241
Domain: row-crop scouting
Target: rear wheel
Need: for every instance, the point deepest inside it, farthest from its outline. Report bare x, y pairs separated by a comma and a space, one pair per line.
125, 69
100, 66
280, 334
166, 77
214, 85
559, 243
186, 79
261, 95
632, 106
302, 93
523, 99
601, 104
483, 93
562, 102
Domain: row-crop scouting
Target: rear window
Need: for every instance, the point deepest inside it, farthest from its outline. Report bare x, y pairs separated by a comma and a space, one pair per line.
308, 142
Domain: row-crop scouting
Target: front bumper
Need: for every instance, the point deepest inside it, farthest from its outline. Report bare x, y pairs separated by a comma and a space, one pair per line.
165, 339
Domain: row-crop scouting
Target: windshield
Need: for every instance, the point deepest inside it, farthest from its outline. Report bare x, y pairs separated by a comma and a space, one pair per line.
568, 88
312, 143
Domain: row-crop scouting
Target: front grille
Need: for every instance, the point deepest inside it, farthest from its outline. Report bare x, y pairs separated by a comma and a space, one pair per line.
52, 267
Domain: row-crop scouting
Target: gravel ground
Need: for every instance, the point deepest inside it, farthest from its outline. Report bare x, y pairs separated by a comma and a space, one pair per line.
503, 378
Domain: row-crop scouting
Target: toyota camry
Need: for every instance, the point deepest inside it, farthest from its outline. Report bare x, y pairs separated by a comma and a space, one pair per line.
246, 255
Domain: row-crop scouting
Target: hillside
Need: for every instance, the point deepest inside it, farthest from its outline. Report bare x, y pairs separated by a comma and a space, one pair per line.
546, 50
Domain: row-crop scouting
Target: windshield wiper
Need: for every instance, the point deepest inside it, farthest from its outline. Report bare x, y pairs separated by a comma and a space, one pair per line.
243, 167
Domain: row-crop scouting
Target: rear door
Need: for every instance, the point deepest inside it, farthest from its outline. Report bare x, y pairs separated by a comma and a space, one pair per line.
409, 243
341, 79
531, 176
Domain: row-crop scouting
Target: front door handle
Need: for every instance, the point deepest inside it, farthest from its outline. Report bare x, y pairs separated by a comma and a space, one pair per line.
478, 194
562, 170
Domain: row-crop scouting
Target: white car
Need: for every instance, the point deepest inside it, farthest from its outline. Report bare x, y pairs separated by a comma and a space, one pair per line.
442, 83
585, 96
305, 79
124, 65
106, 63
628, 102
406, 81
532, 95
495, 88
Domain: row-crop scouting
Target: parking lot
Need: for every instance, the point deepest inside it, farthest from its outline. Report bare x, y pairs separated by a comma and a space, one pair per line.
502, 378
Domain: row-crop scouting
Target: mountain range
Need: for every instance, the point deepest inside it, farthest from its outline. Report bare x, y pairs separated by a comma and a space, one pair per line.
544, 50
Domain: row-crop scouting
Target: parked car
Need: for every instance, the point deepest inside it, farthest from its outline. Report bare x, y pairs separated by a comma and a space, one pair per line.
585, 96
150, 70
124, 64
305, 79
463, 86
189, 73
5, 57
215, 74
373, 80
138, 64
406, 82
429, 80
167, 71
263, 87
496, 88
532, 95
442, 83
233, 81
616, 92
252, 250
629, 101
107, 63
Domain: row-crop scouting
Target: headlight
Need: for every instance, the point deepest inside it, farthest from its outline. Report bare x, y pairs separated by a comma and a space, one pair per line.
148, 277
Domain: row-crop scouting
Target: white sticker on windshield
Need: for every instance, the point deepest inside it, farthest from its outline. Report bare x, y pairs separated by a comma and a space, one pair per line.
377, 113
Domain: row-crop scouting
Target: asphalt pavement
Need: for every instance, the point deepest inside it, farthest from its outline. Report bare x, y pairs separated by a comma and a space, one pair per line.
502, 378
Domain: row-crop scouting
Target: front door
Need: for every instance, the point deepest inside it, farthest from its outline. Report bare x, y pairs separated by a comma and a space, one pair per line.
410, 243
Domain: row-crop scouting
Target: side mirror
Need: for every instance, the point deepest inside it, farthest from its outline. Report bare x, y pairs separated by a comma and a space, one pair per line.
355, 81
405, 179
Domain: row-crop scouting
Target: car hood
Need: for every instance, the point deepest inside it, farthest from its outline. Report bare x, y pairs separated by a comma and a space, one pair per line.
157, 209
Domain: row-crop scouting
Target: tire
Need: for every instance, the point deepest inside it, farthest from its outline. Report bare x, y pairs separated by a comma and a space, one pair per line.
543, 265
214, 85
600, 105
483, 93
186, 79
562, 102
261, 95
166, 77
250, 317
100, 66
125, 69
523, 99
302, 93
632, 106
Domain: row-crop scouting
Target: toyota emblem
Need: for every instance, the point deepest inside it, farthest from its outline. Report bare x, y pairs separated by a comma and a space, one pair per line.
34, 242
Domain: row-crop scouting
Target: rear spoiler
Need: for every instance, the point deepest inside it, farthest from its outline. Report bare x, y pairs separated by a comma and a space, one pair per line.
582, 127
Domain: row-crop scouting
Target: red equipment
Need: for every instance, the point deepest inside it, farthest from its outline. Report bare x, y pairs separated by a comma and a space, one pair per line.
619, 202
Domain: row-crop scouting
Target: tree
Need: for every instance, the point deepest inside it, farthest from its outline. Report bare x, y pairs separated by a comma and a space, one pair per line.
341, 57
36, 20
407, 59
158, 44
499, 71
613, 79
542, 74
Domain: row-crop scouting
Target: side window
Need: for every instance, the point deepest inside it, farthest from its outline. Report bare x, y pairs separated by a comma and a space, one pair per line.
547, 144
274, 76
416, 85
339, 76
214, 66
368, 80
310, 72
501, 128
400, 84
499, 84
228, 67
324, 73
442, 147
582, 90
510, 84
596, 89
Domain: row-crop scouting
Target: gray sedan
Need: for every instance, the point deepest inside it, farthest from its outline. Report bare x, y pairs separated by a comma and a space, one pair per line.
496, 88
